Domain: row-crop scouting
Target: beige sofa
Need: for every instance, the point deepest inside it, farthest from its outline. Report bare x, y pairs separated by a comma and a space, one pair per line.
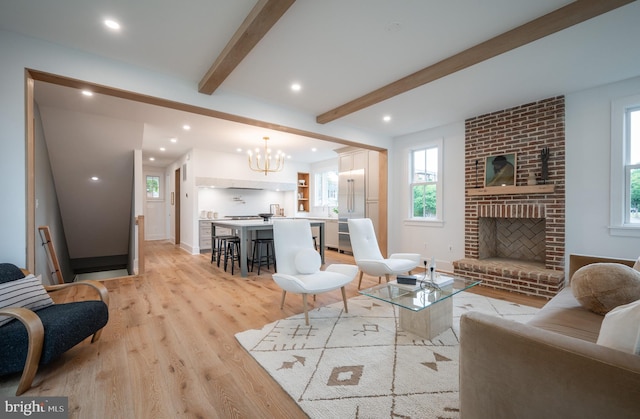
550, 367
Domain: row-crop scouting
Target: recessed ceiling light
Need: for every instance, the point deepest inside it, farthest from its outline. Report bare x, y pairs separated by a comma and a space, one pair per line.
95, 178
174, 140
162, 149
239, 150
186, 127
112, 24
296, 87
152, 158
314, 149
87, 92
386, 118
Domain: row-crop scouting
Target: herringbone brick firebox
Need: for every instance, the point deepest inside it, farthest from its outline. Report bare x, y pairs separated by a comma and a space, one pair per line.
514, 236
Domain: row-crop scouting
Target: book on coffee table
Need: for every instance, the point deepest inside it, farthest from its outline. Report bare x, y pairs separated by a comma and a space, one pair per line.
408, 287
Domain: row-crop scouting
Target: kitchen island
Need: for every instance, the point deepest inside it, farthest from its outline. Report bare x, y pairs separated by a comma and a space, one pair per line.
245, 228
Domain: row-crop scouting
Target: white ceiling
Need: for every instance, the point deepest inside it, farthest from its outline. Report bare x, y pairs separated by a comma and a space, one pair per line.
338, 50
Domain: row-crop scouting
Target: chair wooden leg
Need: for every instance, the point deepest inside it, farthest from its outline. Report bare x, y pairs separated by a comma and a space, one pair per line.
360, 279
284, 294
306, 312
387, 276
344, 299
379, 280
35, 336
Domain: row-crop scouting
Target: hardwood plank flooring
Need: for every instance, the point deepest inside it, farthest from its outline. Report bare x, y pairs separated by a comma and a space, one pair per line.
169, 349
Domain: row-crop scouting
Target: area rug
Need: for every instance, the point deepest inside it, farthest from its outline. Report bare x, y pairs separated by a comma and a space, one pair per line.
361, 365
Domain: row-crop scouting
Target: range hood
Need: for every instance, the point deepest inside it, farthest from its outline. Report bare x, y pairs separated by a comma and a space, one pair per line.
204, 182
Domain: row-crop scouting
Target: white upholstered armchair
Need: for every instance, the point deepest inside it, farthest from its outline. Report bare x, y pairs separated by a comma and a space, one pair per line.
367, 254
298, 264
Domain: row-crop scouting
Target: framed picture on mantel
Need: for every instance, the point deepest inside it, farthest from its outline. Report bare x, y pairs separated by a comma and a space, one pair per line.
500, 170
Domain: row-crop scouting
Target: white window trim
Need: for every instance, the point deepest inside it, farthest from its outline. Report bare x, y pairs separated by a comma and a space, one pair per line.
618, 225
419, 221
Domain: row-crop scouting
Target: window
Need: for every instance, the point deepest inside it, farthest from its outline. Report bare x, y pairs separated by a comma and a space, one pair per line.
153, 187
632, 166
326, 189
425, 183
625, 166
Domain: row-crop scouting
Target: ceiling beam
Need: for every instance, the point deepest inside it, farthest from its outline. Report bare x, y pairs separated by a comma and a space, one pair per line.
198, 110
567, 16
260, 20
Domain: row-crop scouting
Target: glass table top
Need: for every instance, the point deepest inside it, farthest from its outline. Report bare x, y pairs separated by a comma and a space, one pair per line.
423, 295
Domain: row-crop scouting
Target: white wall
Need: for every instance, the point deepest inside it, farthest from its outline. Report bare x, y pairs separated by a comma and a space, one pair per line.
588, 157
20, 52
437, 236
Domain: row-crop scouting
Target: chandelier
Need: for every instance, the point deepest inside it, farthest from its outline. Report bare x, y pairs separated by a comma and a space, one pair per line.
266, 163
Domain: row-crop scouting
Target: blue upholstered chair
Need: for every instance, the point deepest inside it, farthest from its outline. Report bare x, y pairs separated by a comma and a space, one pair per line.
34, 331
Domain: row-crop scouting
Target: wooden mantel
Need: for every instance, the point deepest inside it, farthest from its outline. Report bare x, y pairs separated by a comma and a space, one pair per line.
511, 190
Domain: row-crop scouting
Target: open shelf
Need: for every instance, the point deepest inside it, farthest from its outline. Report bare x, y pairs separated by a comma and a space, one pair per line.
303, 192
511, 190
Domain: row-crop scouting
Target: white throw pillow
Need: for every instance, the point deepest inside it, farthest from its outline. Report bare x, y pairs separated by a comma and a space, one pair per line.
621, 328
636, 265
307, 261
27, 292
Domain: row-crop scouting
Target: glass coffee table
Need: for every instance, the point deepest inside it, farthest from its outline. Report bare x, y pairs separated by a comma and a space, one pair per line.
426, 311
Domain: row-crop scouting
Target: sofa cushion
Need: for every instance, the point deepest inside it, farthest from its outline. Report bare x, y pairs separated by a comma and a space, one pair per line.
601, 287
27, 292
636, 265
563, 314
621, 328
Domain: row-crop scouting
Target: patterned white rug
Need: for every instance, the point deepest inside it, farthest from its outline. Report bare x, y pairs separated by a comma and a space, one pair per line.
360, 365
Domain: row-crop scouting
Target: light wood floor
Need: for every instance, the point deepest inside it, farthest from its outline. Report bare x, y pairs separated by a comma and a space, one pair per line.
169, 349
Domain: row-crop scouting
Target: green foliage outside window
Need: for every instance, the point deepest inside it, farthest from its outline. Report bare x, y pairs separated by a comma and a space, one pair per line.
153, 186
424, 201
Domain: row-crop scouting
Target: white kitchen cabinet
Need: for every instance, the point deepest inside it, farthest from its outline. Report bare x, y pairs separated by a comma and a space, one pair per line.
353, 160
204, 236
331, 234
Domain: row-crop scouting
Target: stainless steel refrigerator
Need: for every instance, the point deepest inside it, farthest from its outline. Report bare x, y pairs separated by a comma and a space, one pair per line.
351, 204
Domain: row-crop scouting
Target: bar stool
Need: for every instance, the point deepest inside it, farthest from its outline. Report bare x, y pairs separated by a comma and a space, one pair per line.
257, 255
219, 245
232, 252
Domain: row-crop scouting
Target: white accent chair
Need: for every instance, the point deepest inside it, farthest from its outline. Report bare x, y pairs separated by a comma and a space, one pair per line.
367, 254
298, 264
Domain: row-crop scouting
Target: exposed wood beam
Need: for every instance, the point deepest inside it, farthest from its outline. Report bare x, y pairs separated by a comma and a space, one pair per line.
565, 17
152, 100
263, 16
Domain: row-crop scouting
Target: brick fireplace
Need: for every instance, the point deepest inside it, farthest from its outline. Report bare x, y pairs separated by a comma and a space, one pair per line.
514, 235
